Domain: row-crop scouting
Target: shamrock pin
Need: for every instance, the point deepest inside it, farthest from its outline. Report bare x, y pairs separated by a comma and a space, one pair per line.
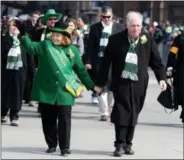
143, 39
48, 36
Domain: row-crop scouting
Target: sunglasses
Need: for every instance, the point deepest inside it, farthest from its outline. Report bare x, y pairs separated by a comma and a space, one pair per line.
104, 17
52, 19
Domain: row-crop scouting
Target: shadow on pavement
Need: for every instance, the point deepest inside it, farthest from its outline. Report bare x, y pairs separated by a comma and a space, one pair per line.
28, 111
161, 125
79, 112
85, 118
41, 150
30, 150
86, 104
36, 115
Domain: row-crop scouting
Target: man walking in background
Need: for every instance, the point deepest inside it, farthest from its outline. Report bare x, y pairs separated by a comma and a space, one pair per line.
97, 42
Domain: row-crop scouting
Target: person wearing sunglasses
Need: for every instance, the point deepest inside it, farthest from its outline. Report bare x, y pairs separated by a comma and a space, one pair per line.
48, 20
97, 42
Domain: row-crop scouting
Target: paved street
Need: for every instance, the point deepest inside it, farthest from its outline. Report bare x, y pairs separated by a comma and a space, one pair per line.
158, 135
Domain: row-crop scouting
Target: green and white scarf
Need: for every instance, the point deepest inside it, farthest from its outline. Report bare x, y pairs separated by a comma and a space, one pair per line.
131, 61
104, 39
14, 60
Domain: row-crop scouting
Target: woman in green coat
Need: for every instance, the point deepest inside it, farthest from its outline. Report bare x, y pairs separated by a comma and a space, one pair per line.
56, 85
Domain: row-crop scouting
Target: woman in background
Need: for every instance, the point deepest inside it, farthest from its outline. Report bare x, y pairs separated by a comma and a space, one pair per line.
13, 69
75, 36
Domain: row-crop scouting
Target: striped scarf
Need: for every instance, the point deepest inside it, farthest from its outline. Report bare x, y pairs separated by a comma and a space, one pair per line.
131, 61
14, 60
104, 40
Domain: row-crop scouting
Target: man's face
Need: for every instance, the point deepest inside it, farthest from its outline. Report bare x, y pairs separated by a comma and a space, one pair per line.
51, 21
134, 27
106, 17
34, 18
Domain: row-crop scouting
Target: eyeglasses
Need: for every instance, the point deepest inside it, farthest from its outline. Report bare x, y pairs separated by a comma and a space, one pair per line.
52, 19
104, 17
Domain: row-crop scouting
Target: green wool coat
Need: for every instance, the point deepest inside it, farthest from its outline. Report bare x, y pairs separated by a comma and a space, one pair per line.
49, 84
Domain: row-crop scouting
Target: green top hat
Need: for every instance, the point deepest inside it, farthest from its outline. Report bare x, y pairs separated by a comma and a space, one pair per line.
61, 28
50, 13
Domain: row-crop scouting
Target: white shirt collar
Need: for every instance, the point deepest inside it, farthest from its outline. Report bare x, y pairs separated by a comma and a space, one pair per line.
109, 26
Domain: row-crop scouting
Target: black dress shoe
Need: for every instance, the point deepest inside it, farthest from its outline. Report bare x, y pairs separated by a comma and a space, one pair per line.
118, 152
65, 151
51, 150
128, 150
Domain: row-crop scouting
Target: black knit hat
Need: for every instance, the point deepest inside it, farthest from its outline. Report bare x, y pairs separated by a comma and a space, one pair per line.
61, 28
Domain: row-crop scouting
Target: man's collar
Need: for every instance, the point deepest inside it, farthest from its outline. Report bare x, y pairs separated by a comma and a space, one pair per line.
104, 25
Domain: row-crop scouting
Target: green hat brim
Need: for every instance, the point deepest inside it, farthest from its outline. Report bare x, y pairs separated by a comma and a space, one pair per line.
59, 30
46, 17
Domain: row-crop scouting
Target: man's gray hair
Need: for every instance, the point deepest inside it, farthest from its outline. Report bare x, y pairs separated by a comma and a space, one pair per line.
131, 15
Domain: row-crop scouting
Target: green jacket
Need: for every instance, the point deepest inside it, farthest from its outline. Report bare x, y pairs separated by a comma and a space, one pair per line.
48, 86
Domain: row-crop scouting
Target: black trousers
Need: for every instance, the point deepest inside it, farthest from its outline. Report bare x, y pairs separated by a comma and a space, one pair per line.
124, 135
12, 92
27, 90
56, 123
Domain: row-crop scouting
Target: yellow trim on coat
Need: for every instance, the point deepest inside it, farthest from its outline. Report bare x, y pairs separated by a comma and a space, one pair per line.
174, 50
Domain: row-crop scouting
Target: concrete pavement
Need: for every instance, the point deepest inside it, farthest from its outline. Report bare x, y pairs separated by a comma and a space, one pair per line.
158, 135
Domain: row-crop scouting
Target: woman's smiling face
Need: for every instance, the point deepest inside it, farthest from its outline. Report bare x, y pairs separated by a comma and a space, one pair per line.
57, 38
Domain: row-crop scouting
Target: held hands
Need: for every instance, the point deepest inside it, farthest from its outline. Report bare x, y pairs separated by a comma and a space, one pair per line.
88, 66
163, 85
169, 72
98, 90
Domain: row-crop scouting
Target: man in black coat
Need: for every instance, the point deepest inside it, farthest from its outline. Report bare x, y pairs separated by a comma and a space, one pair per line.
97, 41
130, 53
175, 68
30, 28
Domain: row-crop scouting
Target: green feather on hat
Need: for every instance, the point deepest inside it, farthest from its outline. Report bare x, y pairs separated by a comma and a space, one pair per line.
50, 13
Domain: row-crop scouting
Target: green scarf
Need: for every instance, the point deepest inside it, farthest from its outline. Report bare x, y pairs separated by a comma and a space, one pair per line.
131, 69
14, 60
104, 41
69, 78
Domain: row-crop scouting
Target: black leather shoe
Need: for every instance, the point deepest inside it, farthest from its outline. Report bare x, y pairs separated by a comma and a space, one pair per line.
118, 152
65, 151
128, 150
51, 150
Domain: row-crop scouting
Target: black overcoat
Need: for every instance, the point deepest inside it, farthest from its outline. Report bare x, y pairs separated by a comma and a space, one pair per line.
129, 95
93, 45
12, 81
176, 60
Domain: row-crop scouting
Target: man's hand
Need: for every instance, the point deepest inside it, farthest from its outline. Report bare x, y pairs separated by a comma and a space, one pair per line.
88, 66
98, 90
169, 71
163, 85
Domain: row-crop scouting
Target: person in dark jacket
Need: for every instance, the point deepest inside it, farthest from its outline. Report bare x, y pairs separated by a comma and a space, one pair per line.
175, 69
13, 73
130, 53
97, 42
30, 26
